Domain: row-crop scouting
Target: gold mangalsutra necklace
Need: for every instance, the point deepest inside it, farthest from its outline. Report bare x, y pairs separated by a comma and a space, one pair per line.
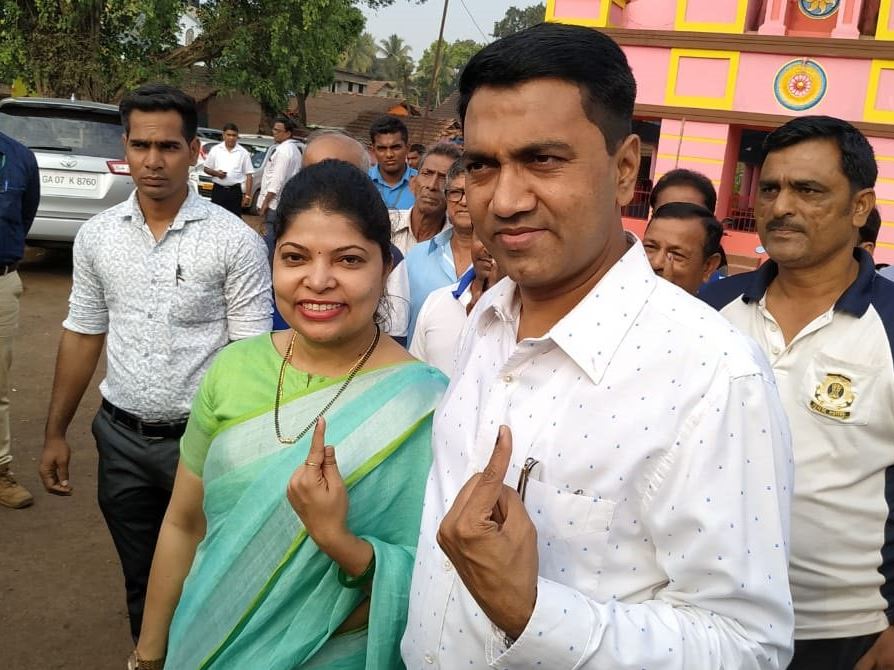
282, 375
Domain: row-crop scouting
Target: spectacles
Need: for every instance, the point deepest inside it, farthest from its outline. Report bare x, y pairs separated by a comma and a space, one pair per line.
455, 194
524, 476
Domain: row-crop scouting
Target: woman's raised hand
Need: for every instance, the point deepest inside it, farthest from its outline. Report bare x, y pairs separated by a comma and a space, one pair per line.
317, 493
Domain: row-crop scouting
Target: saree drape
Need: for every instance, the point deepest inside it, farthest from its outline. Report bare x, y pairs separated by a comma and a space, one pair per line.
260, 594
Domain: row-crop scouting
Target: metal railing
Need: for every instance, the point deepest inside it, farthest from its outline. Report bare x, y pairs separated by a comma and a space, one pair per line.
741, 214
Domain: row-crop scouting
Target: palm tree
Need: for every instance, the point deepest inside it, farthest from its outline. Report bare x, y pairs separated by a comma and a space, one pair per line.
361, 55
397, 61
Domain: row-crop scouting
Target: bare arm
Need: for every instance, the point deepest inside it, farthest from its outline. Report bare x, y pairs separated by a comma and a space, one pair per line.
181, 531
75, 364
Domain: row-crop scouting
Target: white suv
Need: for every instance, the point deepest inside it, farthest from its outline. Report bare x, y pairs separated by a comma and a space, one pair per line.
80, 154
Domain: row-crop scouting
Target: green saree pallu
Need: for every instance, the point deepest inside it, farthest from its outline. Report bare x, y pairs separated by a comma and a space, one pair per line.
260, 594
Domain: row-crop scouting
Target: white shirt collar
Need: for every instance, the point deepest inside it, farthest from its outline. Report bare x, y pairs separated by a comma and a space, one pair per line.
613, 304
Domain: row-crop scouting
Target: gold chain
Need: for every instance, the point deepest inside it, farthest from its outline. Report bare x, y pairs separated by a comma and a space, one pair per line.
282, 375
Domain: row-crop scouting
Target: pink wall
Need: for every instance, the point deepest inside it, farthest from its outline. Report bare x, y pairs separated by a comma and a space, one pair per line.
711, 11
578, 9
650, 66
884, 191
651, 14
846, 82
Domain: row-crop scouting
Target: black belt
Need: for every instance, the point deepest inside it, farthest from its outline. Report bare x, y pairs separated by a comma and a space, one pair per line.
7, 269
229, 188
145, 428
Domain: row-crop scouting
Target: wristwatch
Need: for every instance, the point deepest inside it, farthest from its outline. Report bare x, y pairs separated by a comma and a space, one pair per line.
134, 662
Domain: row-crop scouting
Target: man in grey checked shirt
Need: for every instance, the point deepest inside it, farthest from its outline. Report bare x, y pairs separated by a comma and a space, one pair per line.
168, 279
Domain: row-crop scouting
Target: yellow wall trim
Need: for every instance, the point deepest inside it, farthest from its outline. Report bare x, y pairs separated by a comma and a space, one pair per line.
691, 159
737, 26
693, 138
884, 18
703, 102
600, 21
870, 112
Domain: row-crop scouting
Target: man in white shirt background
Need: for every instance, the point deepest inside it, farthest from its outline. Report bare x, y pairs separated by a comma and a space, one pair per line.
231, 171
443, 314
283, 164
634, 511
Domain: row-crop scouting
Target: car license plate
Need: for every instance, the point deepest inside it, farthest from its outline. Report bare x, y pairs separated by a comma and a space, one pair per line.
78, 181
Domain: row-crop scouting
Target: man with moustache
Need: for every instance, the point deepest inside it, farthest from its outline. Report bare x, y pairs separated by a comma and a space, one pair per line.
164, 280
444, 258
611, 470
426, 217
682, 242
825, 319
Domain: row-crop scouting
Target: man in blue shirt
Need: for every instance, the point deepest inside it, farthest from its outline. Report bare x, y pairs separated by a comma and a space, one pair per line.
19, 196
391, 175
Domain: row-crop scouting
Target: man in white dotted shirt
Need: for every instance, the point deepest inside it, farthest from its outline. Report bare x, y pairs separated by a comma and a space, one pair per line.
825, 318
634, 511
163, 280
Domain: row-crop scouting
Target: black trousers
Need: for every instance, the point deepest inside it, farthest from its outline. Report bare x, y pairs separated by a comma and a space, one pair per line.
135, 480
831, 654
228, 197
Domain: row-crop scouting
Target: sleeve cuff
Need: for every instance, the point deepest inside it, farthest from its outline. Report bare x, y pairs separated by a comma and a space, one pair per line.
557, 635
97, 327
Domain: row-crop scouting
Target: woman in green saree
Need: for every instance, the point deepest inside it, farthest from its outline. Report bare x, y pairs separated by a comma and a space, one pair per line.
272, 555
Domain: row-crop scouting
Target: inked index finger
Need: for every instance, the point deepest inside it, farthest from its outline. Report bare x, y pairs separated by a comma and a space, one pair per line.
490, 484
316, 454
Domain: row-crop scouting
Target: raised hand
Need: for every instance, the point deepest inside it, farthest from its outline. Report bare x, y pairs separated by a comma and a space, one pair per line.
490, 539
317, 492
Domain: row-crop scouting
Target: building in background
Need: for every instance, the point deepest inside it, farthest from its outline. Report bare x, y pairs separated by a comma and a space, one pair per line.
715, 76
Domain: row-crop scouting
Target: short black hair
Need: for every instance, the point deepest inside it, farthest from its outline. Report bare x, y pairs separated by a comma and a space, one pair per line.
418, 148
857, 157
869, 230
386, 125
161, 98
340, 188
582, 56
230, 126
683, 177
688, 211
287, 122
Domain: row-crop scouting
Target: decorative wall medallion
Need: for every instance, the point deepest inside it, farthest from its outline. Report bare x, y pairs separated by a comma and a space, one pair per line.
818, 9
800, 84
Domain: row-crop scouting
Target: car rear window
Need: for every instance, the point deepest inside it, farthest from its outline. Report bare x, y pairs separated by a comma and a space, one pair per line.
64, 130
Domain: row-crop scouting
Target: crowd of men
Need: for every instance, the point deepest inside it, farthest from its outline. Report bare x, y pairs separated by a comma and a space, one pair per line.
695, 488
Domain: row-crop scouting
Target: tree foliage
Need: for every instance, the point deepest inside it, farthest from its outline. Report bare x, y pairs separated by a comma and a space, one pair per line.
454, 56
361, 54
396, 63
98, 49
517, 20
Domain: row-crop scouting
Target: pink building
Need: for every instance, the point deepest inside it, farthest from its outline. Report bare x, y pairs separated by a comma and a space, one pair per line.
715, 76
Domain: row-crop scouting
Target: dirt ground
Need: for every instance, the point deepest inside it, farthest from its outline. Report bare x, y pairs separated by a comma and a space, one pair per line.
61, 589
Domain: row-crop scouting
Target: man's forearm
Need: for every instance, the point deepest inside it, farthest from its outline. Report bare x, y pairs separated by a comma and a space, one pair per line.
75, 364
249, 183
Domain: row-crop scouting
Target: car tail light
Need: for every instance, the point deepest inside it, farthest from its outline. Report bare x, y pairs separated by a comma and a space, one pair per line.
119, 167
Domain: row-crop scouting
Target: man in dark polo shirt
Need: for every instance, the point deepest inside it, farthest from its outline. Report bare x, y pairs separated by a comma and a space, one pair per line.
19, 195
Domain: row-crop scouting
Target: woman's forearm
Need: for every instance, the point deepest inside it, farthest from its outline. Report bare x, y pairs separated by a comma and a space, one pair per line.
174, 554
352, 554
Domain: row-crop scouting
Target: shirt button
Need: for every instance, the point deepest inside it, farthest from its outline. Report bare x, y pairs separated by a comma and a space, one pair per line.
775, 350
429, 659
448, 566
508, 379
